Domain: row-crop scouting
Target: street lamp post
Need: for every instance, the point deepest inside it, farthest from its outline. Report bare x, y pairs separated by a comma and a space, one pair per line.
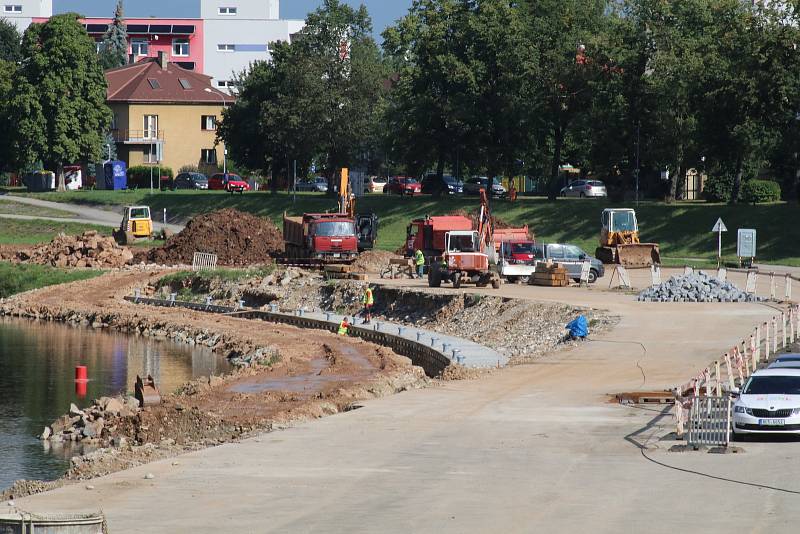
225, 151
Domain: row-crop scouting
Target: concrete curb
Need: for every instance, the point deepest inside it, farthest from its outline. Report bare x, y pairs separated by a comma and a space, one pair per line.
430, 350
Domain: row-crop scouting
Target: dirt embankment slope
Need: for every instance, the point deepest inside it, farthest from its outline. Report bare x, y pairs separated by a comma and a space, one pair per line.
310, 373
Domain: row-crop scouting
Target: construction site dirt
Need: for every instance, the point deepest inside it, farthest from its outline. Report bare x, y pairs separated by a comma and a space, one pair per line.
309, 374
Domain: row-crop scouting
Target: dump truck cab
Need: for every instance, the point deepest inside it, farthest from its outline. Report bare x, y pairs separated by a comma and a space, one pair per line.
465, 260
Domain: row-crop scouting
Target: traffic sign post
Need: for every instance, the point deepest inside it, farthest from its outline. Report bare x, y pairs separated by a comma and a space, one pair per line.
719, 227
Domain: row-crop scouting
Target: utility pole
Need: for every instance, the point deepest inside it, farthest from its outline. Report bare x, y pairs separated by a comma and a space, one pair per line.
638, 139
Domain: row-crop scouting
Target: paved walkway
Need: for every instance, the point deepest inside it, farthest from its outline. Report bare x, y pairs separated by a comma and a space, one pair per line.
83, 214
534, 448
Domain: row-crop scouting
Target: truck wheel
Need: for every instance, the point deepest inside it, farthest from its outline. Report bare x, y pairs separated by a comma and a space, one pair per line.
513, 279
456, 280
496, 283
434, 278
524, 280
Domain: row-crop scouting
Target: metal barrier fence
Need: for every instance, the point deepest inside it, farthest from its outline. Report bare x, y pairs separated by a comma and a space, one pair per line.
204, 262
709, 421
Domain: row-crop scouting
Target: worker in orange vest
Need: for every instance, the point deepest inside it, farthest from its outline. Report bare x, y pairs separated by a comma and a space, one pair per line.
344, 326
512, 191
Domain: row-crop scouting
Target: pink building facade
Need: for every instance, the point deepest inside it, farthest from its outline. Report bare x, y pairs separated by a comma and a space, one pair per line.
182, 40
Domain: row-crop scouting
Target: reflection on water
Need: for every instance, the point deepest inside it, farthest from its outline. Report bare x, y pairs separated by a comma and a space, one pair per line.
37, 371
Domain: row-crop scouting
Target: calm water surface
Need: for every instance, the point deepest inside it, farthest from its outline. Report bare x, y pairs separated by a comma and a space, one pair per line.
37, 371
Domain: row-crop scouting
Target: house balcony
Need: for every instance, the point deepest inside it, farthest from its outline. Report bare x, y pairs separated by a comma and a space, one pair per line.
138, 137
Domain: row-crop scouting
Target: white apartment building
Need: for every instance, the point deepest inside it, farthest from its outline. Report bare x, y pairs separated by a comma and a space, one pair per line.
22, 12
238, 32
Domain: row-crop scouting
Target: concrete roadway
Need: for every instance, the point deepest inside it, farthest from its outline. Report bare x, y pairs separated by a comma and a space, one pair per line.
535, 448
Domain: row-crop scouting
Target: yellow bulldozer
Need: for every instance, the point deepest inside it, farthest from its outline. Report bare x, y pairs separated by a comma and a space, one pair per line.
619, 241
136, 224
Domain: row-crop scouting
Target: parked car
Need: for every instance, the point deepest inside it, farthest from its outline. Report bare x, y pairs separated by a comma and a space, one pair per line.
570, 256
402, 185
769, 402
585, 189
375, 184
191, 180
317, 184
791, 357
232, 183
433, 185
785, 364
474, 185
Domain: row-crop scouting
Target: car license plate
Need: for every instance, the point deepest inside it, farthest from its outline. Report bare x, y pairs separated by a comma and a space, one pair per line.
771, 422
337, 255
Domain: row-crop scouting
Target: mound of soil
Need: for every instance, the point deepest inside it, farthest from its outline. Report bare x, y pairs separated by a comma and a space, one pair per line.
473, 216
373, 261
237, 238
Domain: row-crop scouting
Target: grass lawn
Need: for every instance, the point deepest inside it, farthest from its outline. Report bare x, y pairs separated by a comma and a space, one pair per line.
32, 232
9, 207
682, 229
16, 278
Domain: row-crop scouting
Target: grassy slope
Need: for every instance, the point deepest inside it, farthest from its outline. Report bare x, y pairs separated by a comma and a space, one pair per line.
31, 232
16, 278
683, 229
8, 207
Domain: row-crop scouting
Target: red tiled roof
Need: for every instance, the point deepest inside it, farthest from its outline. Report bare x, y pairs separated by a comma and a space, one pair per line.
146, 81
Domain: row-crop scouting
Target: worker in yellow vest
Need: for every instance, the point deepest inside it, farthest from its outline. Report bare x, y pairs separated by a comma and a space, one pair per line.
368, 300
419, 261
344, 326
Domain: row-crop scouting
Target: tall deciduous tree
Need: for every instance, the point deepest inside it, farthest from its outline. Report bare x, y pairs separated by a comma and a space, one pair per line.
10, 40
114, 48
59, 109
317, 98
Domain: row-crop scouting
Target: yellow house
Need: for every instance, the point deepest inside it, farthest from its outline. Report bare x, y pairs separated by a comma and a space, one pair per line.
166, 116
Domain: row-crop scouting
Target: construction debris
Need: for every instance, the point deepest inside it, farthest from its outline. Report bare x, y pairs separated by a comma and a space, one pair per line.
89, 425
696, 287
87, 250
237, 238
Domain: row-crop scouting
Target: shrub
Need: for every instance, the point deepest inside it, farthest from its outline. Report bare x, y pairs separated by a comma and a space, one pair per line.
757, 191
139, 175
188, 168
718, 188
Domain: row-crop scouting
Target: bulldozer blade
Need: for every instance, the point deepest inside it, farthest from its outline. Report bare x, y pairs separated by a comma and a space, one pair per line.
607, 255
146, 392
638, 255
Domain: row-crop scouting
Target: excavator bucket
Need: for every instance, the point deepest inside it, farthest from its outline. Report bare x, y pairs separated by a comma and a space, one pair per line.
146, 392
638, 255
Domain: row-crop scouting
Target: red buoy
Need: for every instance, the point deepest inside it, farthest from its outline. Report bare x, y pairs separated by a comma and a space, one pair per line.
80, 373
80, 388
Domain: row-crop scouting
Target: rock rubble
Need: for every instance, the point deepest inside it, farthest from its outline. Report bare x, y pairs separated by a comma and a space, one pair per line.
92, 425
87, 250
695, 287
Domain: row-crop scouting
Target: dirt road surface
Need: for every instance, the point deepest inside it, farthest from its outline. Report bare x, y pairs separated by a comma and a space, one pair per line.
531, 448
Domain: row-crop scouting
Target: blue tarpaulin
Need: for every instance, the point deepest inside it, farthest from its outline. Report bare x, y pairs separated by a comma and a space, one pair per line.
578, 327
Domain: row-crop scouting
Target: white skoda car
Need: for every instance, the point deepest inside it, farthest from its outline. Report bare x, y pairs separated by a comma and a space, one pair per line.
769, 402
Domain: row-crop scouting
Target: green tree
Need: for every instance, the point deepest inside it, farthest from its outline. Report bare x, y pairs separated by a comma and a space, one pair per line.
7, 75
10, 40
58, 108
317, 99
114, 49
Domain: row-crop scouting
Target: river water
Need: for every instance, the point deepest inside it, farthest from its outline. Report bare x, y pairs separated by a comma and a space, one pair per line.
37, 371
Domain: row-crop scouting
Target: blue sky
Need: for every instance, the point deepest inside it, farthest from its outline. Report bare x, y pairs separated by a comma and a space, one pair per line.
384, 12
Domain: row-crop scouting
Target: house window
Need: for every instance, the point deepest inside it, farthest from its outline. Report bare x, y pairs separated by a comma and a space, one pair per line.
186, 84
150, 127
153, 153
225, 83
208, 156
208, 122
227, 11
15, 8
226, 48
180, 47
139, 47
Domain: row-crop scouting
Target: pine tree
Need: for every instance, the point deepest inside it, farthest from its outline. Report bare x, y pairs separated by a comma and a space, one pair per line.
114, 50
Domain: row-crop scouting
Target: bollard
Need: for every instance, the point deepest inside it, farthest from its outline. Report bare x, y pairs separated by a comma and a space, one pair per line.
172, 298
137, 294
241, 305
300, 312
327, 316
273, 308
456, 352
419, 335
434, 340
377, 327
400, 330
445, 347
208, 302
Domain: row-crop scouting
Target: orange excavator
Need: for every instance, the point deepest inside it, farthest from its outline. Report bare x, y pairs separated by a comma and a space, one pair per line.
466, 256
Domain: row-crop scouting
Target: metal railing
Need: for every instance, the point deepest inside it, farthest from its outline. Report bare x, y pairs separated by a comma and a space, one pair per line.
710, 421
138, 136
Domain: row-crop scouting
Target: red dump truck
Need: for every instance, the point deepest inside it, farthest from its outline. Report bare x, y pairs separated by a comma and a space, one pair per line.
428, 234
320, 237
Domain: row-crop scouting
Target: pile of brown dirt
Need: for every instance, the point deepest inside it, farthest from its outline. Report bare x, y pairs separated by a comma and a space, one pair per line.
373, 261
87, 250
237, 238
473, 216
